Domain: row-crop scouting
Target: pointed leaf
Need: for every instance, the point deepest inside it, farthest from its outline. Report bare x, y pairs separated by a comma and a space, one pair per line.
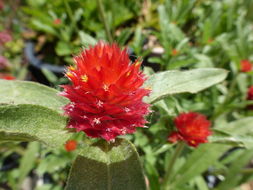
173, 82
198, 162
23, 92
32, 122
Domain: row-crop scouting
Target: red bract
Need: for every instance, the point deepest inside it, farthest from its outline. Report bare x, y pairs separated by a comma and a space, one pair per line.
246, 66
193, 128
70, 145
106, 94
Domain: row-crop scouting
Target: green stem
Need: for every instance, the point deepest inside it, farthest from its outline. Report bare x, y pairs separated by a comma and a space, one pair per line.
70, 14
106, 25
177, 152
219, 110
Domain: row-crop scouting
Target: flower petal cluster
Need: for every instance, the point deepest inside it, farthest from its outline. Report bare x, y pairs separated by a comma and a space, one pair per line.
106, 93
246, 65
192, 127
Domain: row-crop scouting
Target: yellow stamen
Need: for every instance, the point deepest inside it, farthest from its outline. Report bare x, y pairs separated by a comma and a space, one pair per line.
105, 87
71, 68
84, 78
148, 88
193, 142
128, 73
137, 63
69, 75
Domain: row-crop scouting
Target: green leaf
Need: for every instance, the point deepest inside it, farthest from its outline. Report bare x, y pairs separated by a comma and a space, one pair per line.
104, 166
86, 39
28, 161
63, 48
234, 171
32, 122
173, 82
22, 92
239, 130
199, 161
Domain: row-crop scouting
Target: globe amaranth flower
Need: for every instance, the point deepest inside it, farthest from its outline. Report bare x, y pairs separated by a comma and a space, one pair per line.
193, 128
250, 96
70, 145
246, 65
5, 37
7, 77
106, 93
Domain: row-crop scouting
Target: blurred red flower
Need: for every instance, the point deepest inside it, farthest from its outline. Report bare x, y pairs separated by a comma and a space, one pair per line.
3, 62
174, 52
1, 4
193, 128
250, 93
106, 94
7, 77
57, 21
250, 96
5, 37
246, 66
70, 145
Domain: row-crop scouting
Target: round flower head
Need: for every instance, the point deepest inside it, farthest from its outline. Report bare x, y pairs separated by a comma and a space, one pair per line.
106, 94
193, 128
70, 145
7, 77
250, 93
250, 96
246, 66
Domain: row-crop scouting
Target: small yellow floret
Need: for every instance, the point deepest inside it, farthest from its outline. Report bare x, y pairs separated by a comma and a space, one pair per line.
84, 78
148, 88
71, 68
137, 63
69, 75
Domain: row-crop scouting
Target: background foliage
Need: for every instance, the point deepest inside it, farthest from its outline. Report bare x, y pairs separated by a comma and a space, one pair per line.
168, 35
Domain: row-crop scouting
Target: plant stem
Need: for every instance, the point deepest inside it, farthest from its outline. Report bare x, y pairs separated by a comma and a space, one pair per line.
219, 110
106, 25
177, 152
70, 14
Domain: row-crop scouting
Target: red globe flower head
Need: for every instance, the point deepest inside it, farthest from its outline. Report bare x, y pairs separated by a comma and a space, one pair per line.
250, 96
1, 4
70, 145
193, 128
106, 93
246, 66
7, 77
3, 62
174, 52
57, 21
250, 93
5, 37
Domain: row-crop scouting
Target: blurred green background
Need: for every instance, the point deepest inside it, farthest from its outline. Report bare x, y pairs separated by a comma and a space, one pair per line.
39, 37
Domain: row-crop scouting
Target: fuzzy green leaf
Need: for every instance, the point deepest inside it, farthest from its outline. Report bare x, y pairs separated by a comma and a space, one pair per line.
104, 166
23, 92
32, 122
173, 82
